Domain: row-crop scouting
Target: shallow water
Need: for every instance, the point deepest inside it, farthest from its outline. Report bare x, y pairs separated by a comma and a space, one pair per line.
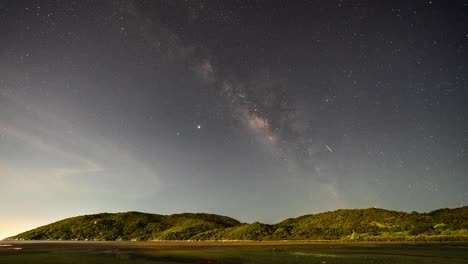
230, 252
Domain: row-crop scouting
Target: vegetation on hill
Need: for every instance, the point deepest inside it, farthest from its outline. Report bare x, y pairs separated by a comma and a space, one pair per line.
345, 224
379, 224
129, 226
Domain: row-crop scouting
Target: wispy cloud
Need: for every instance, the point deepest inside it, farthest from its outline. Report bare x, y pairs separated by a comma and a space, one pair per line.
53, 150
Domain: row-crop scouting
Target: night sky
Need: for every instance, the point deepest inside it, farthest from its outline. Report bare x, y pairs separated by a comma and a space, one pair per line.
260, 110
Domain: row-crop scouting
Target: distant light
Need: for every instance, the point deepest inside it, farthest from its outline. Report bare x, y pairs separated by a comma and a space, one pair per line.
199, 126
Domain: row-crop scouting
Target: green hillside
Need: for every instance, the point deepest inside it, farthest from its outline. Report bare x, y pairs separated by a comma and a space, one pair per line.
343, 224
129, 226
378, 224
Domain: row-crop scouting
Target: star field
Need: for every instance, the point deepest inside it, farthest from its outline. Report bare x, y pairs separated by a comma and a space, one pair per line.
267, 109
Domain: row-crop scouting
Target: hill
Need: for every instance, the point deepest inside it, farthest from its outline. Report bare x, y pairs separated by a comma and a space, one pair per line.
129, 226
378, 224
344, 224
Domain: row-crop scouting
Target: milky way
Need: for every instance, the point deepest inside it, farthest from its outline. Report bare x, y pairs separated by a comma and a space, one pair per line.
262, 105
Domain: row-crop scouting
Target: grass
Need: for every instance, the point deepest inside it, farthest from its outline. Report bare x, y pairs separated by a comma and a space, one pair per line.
234, 253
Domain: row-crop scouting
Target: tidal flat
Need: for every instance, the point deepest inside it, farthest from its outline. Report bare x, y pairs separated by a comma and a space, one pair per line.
59, 252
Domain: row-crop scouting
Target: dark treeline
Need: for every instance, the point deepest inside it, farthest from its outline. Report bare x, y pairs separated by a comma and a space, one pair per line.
354, 224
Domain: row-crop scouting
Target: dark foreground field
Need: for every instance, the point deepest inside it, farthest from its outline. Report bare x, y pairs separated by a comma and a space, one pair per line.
14, 252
